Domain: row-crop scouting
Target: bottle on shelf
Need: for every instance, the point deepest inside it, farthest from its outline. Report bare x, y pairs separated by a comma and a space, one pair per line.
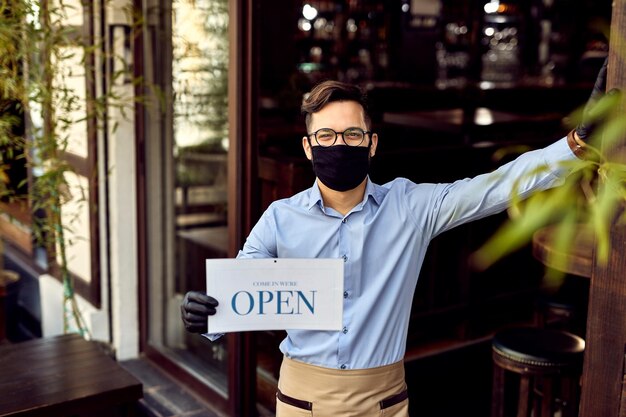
453, 55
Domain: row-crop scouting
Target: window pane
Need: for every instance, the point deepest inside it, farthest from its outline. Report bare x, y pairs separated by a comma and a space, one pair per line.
198, 175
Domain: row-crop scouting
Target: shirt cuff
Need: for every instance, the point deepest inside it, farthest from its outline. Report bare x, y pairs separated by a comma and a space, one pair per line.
561, 149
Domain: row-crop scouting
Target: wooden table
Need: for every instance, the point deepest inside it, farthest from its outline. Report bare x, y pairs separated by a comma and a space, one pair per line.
64, 376
577, 260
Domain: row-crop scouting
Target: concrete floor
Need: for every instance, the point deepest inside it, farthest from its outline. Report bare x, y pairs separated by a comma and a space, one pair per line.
162, 396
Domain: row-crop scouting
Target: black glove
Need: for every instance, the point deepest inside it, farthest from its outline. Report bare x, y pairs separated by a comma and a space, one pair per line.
195, 309
588, 123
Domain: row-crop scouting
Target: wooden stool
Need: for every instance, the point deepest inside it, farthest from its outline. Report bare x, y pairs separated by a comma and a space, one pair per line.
548, 363
565, 309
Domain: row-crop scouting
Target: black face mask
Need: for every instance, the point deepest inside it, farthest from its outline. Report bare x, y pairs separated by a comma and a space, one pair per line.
339, 167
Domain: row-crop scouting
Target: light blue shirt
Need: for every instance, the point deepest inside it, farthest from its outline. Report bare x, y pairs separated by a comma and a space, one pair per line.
383, 241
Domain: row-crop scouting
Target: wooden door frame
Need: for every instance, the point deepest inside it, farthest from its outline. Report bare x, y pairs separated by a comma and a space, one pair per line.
242, 155
603, 390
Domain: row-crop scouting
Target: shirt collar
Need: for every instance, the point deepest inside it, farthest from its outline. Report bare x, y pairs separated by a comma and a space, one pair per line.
371, 189
315, 196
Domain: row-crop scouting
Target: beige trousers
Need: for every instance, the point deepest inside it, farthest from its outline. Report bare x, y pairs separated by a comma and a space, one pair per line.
308, 390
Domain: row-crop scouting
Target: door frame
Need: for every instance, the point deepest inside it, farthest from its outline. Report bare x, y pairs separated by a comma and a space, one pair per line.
242, 156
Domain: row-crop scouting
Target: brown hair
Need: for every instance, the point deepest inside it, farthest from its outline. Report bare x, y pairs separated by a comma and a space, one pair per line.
329, 91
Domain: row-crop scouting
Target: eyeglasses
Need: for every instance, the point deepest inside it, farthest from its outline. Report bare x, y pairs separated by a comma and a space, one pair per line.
352, 136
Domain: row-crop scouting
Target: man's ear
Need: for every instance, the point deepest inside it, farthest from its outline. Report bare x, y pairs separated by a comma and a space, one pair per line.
374, 144
307, 148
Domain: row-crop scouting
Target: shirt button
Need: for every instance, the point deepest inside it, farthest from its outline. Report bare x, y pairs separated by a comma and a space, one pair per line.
345, 258
343, 366
345, 330
344, 220
345, 294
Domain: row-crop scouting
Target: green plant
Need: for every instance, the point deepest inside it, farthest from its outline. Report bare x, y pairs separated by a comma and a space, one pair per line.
34, 43
39, 53
591, 197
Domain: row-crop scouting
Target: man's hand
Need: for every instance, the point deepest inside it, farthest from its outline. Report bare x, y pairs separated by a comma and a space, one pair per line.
589, 122
195, 309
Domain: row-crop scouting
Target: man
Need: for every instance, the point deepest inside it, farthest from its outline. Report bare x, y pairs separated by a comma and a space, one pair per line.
382, 233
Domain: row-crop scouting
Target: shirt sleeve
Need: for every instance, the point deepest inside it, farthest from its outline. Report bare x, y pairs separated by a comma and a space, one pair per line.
474, 198
259, 244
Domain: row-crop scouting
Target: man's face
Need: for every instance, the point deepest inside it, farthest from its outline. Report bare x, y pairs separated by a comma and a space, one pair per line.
339, 116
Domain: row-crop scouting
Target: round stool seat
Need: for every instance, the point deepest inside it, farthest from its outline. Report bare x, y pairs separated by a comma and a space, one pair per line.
565, 309
538, 347
556, 302
559, 313
548, 364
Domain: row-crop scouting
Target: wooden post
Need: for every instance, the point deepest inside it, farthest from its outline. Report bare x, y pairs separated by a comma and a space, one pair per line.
603, 390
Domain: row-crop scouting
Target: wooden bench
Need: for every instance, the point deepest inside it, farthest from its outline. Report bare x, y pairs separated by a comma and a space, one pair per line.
64, 376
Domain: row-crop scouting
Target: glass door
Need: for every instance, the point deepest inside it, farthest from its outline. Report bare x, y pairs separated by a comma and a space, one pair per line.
199, 176
186, 148
198, 140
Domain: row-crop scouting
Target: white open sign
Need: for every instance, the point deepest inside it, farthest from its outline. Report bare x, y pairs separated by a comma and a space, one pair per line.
275, 294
